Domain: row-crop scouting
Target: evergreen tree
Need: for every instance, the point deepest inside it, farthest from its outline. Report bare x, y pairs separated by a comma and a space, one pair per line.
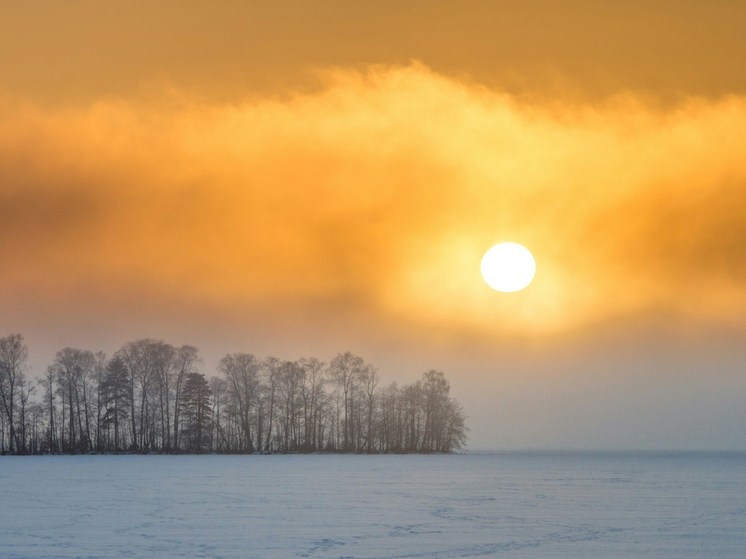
115, 399
197, 412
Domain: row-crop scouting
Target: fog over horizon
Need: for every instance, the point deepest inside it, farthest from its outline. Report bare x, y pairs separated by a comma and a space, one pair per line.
667, 395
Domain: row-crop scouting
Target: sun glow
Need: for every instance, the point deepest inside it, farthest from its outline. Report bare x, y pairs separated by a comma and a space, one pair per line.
508, 267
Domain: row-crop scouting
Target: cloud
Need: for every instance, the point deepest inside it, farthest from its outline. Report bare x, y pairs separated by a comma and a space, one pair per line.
378, 194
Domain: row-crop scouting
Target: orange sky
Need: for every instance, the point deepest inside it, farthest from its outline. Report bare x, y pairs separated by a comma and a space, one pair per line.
275, 179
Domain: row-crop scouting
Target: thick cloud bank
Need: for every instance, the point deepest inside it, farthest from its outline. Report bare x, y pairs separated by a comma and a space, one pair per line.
378, 195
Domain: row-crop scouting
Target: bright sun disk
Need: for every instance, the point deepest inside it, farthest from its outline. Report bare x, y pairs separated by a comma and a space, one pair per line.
508, 267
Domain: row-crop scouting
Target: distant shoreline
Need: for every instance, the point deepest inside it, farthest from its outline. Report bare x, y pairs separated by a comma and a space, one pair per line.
152, 397
507, 453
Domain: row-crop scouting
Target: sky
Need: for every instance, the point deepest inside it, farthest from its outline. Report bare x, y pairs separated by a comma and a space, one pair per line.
295, 179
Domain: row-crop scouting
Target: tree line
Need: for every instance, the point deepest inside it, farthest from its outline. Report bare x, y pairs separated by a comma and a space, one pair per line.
151, 396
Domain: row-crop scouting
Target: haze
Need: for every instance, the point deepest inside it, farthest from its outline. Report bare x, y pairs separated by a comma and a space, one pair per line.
301, 180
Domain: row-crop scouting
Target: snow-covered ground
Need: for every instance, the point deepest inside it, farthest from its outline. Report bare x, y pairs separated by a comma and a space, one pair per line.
475, 505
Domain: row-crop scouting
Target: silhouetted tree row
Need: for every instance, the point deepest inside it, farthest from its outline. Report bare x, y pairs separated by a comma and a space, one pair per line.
151, 397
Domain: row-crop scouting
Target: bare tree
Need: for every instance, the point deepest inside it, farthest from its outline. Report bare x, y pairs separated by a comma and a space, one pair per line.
290, 382
25, 409
219, 390
13, 358
241, 371
369, 381
186, 361
99, 372
345, 370
391, 419
163, 358
73, 367
313, 386
138, 359
412, 403
48, 386
272, 367
150, 397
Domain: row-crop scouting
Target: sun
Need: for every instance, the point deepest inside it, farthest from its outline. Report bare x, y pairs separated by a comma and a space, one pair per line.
508, 267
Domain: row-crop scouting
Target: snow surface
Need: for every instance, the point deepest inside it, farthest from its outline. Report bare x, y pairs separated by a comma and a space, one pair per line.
575, 505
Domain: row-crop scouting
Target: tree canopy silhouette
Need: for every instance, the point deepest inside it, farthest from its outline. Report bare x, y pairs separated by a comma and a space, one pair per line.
152, 397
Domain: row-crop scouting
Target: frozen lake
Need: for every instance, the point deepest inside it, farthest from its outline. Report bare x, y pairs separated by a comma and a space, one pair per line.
578, 505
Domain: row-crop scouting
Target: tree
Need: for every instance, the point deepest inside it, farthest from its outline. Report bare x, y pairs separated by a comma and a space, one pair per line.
391, 419
241, 372
163, 357
272, 367
219, 389
99, 371
313, 386
197, 411
291, 379
139, 358
115, 399
73, 367
411, 396
435, 390
345, 370
48, 385
369, 381
150, 397
187, 358
26, 409
13, 357
455, 428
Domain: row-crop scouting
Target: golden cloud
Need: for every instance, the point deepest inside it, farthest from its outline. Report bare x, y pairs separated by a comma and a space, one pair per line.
380, 192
